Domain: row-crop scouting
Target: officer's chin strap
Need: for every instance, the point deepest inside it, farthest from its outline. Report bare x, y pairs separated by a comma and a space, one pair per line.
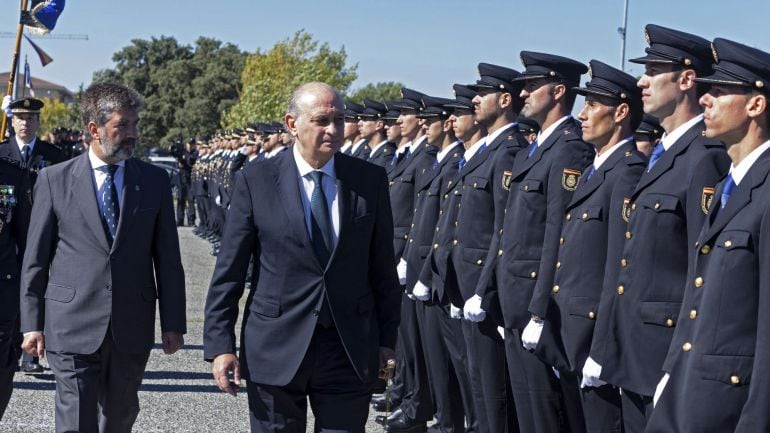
387, 374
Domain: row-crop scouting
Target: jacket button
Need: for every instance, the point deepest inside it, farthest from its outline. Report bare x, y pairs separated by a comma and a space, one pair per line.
687, 346
669, 322
657, 206
705, 249
633, 206
435, 246
623, 263
558, 265
437, 229
569, 216
693, 314
8, 277
454, 242
446, 196
555, 289
735, 380
526, 187
406, 236
412, 225
699, 282
411, 240
533, 275
585, 216
592, 315
501, 231
621, 290
475, 185
628, 235
728, 244
561, 241
479, 262
499, 253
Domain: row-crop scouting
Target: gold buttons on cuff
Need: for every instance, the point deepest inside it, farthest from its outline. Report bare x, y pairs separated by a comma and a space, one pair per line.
693, 314
670, 322
533, 275
555, 289
705, 249
699, 282
628, 235
735, 380
621, 290
591, 315
687, 346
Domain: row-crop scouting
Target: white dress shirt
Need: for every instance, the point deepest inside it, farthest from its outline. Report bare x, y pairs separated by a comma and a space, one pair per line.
669, 139
100, 177
306, 186
739, 171
21, 144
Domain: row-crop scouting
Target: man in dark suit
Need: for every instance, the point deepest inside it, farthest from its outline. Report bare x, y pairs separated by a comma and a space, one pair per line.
612, 111
102, 251
323, 310
32, 154
15, 208
717, 365
633, 333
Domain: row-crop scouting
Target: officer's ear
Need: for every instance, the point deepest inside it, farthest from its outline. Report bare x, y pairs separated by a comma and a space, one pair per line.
622, 112
686, 80
756, 107
505, 100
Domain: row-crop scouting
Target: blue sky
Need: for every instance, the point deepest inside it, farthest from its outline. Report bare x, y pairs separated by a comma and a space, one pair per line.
426, 44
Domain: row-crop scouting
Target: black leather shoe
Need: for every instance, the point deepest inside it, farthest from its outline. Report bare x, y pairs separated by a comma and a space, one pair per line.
400, 423
381, 419
31, 368
378, 404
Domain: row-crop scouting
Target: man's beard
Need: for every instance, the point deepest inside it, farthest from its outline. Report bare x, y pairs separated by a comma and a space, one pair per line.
120, 151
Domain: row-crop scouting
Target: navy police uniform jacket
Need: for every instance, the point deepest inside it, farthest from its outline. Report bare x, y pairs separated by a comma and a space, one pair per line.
668, 207
383, 155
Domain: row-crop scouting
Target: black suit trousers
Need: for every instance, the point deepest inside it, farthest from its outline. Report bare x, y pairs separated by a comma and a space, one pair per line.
338, 398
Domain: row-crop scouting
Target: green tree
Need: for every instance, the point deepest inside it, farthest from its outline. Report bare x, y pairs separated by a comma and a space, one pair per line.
57, 114
268, 79
383, 91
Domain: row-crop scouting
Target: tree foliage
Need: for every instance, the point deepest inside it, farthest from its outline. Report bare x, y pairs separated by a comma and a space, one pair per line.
384, 91
186, 89
57, 114
268, 78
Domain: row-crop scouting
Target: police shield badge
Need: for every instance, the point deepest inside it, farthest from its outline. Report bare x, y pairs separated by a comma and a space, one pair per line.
626, 211
706, 199
507, 180
570, 179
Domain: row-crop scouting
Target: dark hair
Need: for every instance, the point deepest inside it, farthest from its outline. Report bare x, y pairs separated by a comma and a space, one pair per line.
101, 100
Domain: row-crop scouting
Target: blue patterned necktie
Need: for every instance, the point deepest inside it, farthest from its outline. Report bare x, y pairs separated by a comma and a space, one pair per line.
657, 152
591, 173
321, 236
110, 208
727, 190
532, 149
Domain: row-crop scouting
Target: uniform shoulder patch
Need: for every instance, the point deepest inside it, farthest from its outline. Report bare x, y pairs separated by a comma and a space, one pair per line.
706, 198
507, 180
570, 179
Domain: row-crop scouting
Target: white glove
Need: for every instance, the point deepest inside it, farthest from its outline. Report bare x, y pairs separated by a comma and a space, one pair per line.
243, 150
6, 105
421, 291
473, 311
659, 389
501, 331
591, 373
218, 200
401, 269
411, 296
531, 335
454, 312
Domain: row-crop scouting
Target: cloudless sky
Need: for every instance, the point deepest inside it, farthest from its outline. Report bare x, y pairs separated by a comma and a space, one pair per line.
425, 44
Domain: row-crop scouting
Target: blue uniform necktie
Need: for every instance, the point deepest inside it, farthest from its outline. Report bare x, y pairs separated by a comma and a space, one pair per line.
591, 173
110, 208
727, 190
321, 237
435, 164
657, 152
25, 153
462, 161
532, 149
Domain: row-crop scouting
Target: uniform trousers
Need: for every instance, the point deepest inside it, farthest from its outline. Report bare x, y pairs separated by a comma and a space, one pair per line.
637, 409
10, 343
97, 392
415, 398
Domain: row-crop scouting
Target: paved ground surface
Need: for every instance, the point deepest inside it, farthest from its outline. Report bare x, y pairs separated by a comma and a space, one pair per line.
178, 393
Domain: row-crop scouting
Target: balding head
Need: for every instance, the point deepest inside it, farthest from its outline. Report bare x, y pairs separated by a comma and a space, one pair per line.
315, 117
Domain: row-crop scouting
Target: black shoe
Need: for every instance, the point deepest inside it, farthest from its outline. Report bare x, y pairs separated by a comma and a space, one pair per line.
31, 368
381, 419
378, 404
400, 423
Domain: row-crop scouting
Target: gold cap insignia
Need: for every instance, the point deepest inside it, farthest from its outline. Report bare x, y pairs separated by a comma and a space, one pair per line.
552, 73
759, 84
26, 103
687, 62
646, 36
714, 53
590, 71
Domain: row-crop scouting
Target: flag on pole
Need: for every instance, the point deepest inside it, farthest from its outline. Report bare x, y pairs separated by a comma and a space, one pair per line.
28, 78
42, 15
44, 57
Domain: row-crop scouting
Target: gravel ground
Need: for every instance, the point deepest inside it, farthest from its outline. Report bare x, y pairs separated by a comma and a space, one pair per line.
178, 393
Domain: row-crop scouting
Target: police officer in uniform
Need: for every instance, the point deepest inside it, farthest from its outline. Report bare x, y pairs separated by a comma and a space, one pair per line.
648, 134
528, 128
15, 206
718, 360
372, 129
612, 111
668, 206
184, 199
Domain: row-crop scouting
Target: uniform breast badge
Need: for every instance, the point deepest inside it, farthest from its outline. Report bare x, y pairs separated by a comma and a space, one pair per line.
706, 198
7, 203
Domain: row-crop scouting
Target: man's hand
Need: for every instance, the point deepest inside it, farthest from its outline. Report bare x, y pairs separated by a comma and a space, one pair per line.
34, 344
473, 311
421, 291
531, 334
224, 366
6, 105
172, 341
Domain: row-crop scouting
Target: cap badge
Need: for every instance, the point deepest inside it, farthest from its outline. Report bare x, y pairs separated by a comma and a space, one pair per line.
647, 36
714, 53
759, 84
26, 103
590, 71
687, 62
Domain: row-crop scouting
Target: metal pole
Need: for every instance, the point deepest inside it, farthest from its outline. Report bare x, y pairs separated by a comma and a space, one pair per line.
14, 68
622, 31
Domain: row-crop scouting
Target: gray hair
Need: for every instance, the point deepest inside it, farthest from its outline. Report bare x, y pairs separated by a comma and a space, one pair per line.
101, 100
303, 89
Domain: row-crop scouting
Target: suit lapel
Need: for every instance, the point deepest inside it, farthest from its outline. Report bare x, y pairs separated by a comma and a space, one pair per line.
83, 196
597, 179
11, 150
130, 202
344, 203
669, 157
288, 187
523, 164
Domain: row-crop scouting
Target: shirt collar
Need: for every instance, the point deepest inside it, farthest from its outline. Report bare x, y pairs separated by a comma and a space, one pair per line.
358, 144
600, 159
305, 168
469, 152
668, 140
31, 143
493, 136
96, 163
275, 151
739, 171
543, 135
442, 153
379, 145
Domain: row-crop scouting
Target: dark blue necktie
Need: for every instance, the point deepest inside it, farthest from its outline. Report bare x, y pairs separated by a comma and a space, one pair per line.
25, 151
321, 236
591, 173
435, 164
657, 152
532, 149
110, 208
727, 190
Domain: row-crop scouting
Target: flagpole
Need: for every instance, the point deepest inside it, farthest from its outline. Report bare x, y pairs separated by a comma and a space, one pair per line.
14, 67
